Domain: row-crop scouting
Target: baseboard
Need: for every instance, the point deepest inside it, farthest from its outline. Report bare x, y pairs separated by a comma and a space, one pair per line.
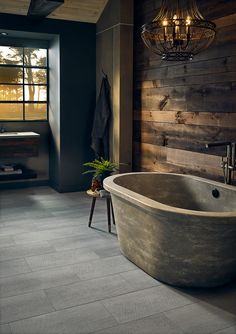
23, 184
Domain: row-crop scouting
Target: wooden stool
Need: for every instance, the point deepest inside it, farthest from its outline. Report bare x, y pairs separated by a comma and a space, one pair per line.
110, 211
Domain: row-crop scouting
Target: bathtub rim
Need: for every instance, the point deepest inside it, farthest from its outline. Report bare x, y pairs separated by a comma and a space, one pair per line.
151, 205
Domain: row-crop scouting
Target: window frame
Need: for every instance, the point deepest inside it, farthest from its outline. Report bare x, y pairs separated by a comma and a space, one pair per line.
23, 84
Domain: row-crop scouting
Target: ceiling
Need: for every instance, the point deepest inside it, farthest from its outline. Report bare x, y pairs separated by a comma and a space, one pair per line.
73, 10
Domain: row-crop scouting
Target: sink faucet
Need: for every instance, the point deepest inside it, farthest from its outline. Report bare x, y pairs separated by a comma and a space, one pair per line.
2, 129
228, 163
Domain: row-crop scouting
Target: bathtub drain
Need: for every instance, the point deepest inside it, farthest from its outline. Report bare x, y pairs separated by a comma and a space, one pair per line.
215, 193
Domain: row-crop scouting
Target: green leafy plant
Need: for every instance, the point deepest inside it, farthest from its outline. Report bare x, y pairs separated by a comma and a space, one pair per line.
101, 168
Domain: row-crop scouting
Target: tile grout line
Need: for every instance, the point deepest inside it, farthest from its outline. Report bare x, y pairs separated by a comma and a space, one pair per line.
64, 266
155, 313
75, 282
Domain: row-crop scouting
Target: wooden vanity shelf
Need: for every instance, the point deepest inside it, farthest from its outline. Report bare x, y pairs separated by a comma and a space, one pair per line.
26, 174
19, 144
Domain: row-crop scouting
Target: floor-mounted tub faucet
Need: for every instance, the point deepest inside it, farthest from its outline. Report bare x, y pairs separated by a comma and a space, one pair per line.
228, 162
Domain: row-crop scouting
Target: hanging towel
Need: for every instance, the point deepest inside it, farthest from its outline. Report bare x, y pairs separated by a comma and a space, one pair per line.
100, 131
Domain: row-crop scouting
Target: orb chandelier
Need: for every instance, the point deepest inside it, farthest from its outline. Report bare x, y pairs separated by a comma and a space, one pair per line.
179, 31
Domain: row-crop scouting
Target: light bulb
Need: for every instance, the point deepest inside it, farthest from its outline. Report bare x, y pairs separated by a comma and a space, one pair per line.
165, 22
188, 20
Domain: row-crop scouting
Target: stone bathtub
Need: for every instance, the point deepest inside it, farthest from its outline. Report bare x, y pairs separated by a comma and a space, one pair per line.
179, 229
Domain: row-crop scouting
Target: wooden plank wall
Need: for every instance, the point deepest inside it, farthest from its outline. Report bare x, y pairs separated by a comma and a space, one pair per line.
180, 106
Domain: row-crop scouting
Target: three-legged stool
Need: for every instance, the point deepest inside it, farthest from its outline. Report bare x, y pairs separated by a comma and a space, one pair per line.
110, 211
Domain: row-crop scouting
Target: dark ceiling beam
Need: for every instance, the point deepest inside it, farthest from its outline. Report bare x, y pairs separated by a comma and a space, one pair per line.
42, 8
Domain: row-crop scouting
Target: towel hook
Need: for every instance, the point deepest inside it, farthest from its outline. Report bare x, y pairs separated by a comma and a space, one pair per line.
105, 75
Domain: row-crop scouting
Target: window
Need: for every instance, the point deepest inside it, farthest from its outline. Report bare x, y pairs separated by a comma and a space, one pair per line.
23, 83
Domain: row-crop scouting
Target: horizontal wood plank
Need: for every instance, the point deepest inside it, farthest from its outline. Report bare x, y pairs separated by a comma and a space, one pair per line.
207, 134
164, 159
218, 65
225, 120
213, 78
197, 98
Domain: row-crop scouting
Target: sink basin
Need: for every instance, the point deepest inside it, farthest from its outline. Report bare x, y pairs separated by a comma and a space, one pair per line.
18, 134
8, 133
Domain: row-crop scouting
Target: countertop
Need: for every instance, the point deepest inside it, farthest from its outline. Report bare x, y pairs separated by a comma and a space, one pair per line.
16, 134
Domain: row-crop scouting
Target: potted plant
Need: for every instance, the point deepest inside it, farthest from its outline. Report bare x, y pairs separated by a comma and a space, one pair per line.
100, 168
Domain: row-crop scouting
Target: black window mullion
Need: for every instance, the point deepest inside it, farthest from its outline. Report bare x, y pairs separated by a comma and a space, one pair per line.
10, 65
47, 85
24, 66
24, 84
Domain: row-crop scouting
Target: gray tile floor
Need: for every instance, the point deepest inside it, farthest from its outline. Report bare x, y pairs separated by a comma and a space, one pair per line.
57, 276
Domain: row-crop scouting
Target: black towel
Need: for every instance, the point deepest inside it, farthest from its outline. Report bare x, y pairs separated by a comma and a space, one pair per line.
100, 131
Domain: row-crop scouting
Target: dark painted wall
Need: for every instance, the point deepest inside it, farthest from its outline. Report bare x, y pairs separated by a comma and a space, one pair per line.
77, 92
115, 57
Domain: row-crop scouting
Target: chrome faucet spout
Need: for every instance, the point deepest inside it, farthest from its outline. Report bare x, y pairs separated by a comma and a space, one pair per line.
228, 162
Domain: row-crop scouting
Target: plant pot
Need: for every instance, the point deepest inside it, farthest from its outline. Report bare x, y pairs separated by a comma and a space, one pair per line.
96, 184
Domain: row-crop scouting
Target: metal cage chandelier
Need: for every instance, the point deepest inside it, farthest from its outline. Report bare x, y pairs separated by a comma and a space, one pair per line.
179, 31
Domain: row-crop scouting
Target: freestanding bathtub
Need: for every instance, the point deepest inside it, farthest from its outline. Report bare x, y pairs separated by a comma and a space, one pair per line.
179, 229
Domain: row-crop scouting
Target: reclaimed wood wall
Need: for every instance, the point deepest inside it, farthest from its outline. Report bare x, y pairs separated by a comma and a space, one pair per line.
180, 106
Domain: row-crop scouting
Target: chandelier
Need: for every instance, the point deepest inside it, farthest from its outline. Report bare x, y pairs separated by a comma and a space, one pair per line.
179, 31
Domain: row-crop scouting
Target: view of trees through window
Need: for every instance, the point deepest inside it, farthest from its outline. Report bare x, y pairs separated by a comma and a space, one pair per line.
23, 83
